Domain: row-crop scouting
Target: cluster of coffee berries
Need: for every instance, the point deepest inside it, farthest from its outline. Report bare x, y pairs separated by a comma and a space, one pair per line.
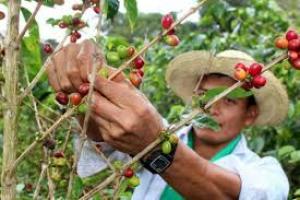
169, 142
2, 15
121, 53
291, 42
72, 23
166, 22
74, 98
137, 71
251, 75
133, 180
118, 54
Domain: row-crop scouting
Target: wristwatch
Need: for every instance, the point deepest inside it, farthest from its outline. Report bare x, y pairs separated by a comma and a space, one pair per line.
157, 162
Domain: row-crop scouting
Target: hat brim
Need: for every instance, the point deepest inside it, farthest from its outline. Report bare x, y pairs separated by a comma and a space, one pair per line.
184, 71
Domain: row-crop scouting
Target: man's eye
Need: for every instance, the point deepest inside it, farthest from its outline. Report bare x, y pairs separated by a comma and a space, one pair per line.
229, 101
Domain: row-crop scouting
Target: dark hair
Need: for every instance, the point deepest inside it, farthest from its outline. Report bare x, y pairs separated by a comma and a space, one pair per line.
251, 101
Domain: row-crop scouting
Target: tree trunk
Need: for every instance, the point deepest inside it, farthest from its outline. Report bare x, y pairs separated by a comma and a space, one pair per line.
10, 93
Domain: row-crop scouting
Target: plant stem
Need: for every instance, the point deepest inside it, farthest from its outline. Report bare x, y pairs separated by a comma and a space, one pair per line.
30, 20
11, 109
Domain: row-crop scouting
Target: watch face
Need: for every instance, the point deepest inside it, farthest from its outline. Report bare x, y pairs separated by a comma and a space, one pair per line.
160, 163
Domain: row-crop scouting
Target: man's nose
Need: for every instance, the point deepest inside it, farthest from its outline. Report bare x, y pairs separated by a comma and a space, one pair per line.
215, 108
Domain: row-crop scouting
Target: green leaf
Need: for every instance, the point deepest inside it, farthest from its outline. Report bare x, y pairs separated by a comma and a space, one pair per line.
239, 93
131, 12
297, 192
49, 3
200, 101
96, 178
206, 121
295, 157
175, 113
53, 21
31, 51
114, 41
111, 8
77, 187
285, 151
4, 2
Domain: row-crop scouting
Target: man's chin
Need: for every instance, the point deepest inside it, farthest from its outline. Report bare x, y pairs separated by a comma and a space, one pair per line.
209, 136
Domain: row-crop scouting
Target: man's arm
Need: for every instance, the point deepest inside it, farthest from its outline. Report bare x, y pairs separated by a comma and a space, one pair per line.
196, 178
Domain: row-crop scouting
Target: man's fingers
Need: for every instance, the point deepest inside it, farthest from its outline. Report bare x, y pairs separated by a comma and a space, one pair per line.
72, 67
52, 76
110, 132
59, 62
104, 108
89, 55
120, 93
119, 78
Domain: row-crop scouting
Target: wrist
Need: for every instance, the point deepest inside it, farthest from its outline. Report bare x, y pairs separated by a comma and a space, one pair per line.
157, 161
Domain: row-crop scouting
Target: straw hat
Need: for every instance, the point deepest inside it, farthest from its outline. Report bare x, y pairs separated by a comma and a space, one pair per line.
184, 70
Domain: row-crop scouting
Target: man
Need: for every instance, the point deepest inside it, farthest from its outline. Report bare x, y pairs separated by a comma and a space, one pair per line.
205, 164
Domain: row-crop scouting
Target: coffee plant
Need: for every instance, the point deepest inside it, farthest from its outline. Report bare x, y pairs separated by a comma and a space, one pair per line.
38, 160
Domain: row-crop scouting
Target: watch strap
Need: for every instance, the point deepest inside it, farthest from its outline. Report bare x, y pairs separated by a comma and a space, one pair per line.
157, 162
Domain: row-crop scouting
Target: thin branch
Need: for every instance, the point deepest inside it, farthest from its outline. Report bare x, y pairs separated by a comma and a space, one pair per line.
50, 186
38, 185
67, 138
117, 187
101, 154
44, 135
156, 39
275, 61
40, 73
47, 107
30, 20
34, 103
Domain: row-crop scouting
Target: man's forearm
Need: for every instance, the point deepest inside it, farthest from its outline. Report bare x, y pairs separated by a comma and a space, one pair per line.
196, 178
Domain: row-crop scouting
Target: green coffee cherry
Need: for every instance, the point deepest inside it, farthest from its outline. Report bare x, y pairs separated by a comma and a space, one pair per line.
122, 51
133, 181
166, 147
173, 139
112, 57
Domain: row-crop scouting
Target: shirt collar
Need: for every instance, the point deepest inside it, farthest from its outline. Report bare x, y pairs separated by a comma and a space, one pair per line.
241, 147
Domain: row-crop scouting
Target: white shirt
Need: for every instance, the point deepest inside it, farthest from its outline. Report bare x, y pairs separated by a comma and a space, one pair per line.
262, 178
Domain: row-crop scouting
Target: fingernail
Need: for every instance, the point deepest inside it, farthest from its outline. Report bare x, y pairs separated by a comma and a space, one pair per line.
90, 77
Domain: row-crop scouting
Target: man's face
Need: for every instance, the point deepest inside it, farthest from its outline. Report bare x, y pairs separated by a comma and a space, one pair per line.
232, 115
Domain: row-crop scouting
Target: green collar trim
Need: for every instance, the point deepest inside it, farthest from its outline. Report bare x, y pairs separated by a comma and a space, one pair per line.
220, 154
169, 192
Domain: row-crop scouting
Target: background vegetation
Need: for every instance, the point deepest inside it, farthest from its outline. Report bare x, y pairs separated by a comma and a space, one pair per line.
250, 26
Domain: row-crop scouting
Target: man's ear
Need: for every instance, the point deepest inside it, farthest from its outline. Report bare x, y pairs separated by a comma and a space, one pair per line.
251, 115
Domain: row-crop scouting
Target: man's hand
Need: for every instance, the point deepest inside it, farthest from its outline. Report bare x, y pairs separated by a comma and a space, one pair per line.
127, 120
121, 115
71, 65
69, 68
